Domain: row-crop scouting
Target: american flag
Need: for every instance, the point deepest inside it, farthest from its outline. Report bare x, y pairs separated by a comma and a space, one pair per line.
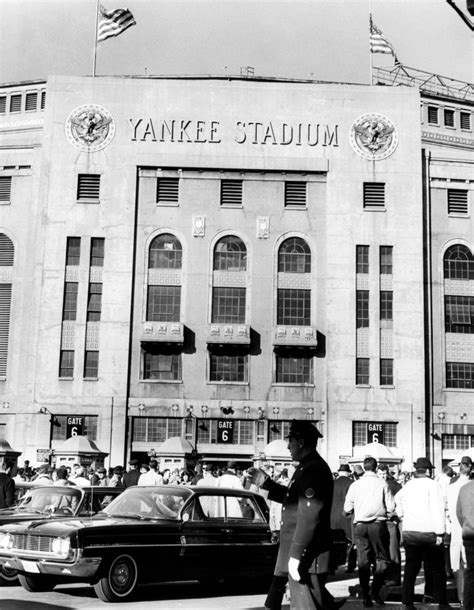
114, 22
378, 42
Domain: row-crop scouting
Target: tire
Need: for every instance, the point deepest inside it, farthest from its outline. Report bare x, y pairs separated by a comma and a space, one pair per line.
8, 577
119, 580
36, 584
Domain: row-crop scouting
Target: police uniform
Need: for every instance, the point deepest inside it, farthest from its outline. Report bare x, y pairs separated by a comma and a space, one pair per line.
306, 519
131, 477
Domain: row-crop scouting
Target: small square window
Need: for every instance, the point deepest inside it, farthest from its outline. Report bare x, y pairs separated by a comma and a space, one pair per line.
15, 103
88, 187
362, 371
5, 189
66, 363
465, 120
295, 194
457, 201
448, 117
73, 251
97, 252
91, 364
374, 195
386, 256
167, 191
362, 259
31, 101
433, 115
231, 192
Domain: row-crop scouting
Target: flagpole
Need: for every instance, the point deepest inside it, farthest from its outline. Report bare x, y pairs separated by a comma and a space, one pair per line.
95, 37
371, 62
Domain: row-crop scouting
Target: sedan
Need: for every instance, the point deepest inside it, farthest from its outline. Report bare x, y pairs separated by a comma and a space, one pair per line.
146, 535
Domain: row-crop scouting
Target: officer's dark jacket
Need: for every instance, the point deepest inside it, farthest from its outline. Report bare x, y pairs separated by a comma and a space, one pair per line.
306, 513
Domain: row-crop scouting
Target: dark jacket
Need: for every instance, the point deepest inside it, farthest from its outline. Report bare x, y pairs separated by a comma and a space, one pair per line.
131, 478
7, 490
306, 513
339, 521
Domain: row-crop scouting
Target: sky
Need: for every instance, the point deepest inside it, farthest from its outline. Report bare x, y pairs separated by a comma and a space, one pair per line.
324, 40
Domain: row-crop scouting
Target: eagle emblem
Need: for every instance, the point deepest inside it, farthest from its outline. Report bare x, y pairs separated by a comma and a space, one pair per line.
373, 136
90, 128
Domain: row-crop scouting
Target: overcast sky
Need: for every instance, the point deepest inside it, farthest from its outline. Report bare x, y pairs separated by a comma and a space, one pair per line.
320, 39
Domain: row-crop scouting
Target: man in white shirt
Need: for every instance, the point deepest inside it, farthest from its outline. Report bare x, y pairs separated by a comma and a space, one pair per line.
370, 500
208, 479
149, 474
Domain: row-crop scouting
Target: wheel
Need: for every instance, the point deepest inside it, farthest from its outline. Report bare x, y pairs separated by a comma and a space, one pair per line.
119, 580
35, 584
8, 577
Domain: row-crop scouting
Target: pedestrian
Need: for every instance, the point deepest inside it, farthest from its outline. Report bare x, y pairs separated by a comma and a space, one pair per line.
393, 526
208, 479
150, 475
43, 476
81, 479
341, 524
305, 538
7, 486
370, 501
116, 478
131, 477
103, 479
465, 515
62, 478
420, 504
230, 478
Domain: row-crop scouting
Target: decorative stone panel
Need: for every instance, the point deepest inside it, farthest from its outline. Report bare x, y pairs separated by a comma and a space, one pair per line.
362, 281
386, 282
68, 335
459, 287
163, 277
169, 332
386, 343
459, 347
296, 335
263, 227
72, 273
236, 279
95, 275
92, 335
294, 280
6, 275
362, 341
229, 333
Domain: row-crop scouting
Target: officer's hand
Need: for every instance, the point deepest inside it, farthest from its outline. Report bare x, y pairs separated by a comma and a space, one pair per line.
439, 540
293, 569
256, 476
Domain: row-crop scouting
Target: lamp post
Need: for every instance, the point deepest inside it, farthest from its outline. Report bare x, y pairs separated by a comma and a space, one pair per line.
52, 422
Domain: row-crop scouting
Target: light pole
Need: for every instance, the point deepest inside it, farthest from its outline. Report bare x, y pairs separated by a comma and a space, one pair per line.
53, 421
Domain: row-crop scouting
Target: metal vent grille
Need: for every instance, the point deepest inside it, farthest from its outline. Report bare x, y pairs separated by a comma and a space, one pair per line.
33, 543
374, 195
457, 201
449, 118
5, 188
295, 194
15, 103
31, 101
43, 99
167, 190
5, 304
3, 104
231, 192
465, 119
433, 115
88, 186
7, 251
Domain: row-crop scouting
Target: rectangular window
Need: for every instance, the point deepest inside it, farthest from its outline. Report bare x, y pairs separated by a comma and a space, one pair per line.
460, 375
88, 187
228, 367
231, 192
156, 429
163, 304
386, 309
278, 430
448, 117
91, 364
457, 201
294, 307
362, 371
97, 252
43, 100
70, 300
294, 368
66, 363
386, 371
386, 256
73, 251
295, 194
465, 120
362, 309
5, 189
161, 362
94, 302
360, 433
433, 115
362, 259
5, 308
228, 305
60, 429
15, 103
459, 314
374, 195
31, 101
460, 442
3, 104
167, 190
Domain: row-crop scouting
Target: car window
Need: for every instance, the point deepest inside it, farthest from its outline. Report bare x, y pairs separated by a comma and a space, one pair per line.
44, 500
156, 504
229, 508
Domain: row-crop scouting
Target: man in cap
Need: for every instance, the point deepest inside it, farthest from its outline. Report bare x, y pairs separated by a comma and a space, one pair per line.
103, 478
306, 523
465, 515
420, 504
131, 476
229, 478
7, 486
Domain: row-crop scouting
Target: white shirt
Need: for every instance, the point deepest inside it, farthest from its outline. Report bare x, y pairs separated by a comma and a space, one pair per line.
208, 480
150, 478
369, 498
420, 504
229, 480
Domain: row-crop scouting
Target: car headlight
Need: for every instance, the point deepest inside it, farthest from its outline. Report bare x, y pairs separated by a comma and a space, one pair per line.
6, 540
61, 546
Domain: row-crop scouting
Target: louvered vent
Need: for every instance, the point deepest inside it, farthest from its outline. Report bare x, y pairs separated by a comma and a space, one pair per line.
231, 192
31, 101
167, 190
3, 104
5, 303
457, 201
433, 115
295, 194
88, 186
7, 251
43, 99
15, 103
5, 188
374, 195
465, 118
449, 118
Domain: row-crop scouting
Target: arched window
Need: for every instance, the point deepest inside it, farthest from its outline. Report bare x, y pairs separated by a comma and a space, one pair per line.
230, 254
458, 263
294, 256
165, 252
7, 254
7, 251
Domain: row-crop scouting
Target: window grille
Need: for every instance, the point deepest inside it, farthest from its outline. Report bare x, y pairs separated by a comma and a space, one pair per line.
231, 192
459, 314
31, 101
362, 371
43, 100
91, 364
386, 260
15, 103
386, 371
362, 309
278, 430
448, 117
458, 442
228, 305
73, 251
457, 201
70, 300
460, 375
94, 302
362, 259
66, 363
3, 104
165, 252
164, 304
228, 367
88, 187
465, 120
458, 263
295, 194
294, 256
374, 195
7, 251
97, 252
386, 305
230, 254
433, 115
293, 307
294, 369
5, 307
167, 190
5, 188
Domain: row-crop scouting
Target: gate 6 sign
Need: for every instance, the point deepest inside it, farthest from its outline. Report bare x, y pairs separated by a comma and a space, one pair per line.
74, 426
375, 432
225, 431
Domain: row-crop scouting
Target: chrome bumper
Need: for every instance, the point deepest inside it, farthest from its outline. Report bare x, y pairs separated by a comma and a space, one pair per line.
82, 568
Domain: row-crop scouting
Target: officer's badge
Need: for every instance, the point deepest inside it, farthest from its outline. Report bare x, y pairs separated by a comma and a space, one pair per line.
309, 493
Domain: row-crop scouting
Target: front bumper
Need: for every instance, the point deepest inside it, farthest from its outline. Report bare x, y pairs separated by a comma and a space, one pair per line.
83, 568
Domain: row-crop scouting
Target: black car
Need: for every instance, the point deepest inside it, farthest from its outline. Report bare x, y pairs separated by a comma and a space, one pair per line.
146, 535
53, 502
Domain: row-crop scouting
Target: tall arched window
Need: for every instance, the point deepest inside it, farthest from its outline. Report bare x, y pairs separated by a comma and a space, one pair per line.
7, 254
230, 254
294, 256
458, 263
165, 252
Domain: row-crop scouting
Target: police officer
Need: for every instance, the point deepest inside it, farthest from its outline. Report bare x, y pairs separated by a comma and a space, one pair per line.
305, 527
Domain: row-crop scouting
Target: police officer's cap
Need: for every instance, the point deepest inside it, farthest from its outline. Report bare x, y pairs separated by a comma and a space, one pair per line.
304, 430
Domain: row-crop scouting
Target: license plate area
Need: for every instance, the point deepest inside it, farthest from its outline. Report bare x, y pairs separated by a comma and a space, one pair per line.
30, 566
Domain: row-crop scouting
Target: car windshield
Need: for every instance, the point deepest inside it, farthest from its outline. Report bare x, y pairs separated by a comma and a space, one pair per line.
49, 499
160, 502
